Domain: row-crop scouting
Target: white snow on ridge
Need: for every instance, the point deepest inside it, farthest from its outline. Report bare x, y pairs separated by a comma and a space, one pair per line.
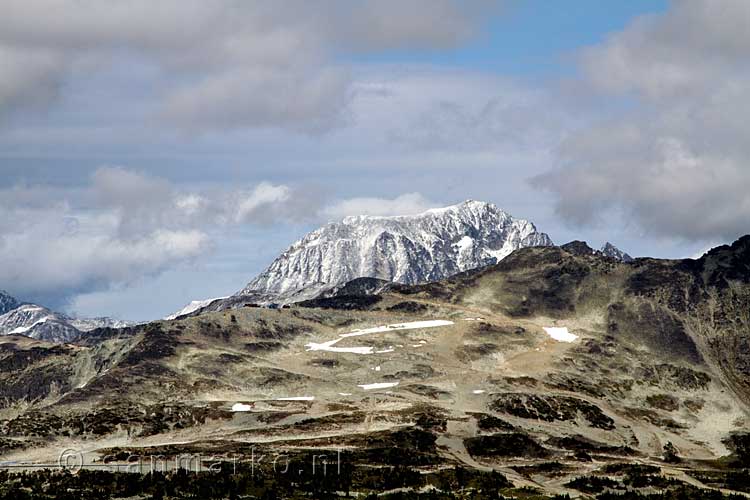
297, 398
379, 385
31, 308
241, 407
19, 330
23, 329
560, 334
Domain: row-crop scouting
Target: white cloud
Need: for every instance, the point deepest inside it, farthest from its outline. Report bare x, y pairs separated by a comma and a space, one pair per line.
675, 160
405, 204
250, 204
191, 204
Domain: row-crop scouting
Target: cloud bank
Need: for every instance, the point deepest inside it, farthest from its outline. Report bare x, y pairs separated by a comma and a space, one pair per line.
676, 160
223, 64
124, 226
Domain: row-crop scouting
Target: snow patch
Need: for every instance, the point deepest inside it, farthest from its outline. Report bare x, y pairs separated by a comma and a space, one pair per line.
399, 326
241, 407
560, 334
329, 346
297, 398
24, 329
379, 385
464, 243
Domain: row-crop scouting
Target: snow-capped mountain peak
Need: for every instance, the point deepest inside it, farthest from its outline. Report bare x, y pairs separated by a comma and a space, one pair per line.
408, 249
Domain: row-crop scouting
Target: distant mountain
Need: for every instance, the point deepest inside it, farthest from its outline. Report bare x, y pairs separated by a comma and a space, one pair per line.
37, 322
193, 306
40, 323
405, 249
607, 250
88, 324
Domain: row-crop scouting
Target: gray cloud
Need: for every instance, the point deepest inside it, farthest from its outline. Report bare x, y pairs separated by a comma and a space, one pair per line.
224, 64
677, 161
124, 226
31, 77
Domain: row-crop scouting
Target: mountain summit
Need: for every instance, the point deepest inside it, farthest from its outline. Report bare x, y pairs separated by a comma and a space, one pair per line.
609, 250
405, 249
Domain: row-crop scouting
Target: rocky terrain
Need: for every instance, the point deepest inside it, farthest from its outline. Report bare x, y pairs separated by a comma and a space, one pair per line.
557, 371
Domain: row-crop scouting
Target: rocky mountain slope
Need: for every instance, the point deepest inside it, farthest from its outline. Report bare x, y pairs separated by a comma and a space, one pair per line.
557, 371
406, 249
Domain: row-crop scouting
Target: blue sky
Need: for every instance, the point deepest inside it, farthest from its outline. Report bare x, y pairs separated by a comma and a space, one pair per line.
534, 38
152, 158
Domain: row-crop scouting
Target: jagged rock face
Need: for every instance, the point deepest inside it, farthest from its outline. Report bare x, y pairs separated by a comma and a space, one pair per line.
405, 249
358, 286
609, 250
578, 247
